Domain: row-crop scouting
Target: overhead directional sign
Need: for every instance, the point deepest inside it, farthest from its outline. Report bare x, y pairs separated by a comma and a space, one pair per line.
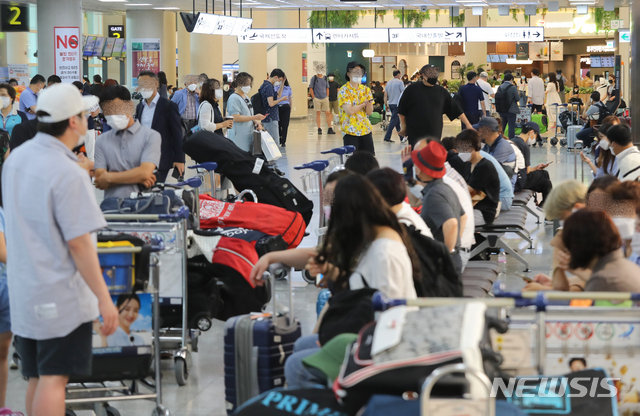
276, 36
350, 35
213, 24
427, 35
505, 34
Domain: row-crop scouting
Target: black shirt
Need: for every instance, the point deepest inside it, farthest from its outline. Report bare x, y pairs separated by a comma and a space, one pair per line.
423, 108
23, 132
484, 178
526, 152
456, 162
333, 90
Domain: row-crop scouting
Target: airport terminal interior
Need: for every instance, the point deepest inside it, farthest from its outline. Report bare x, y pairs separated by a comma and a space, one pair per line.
570, 64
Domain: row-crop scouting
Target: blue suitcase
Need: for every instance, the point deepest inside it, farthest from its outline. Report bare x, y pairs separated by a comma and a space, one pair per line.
255, 350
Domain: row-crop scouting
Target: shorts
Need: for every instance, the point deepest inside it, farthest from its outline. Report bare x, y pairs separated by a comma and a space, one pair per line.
5, 312
321, 104
66, 356
334, 107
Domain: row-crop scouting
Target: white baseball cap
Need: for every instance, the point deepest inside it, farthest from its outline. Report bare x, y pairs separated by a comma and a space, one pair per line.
63, 101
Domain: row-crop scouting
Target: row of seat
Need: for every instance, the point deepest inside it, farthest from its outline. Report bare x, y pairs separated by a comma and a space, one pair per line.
479, 276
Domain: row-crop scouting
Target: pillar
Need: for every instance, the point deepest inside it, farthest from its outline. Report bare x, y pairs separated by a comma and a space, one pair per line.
633, 101
252, 58
290, 61
113, 65
206, 55
184, 53
169, 44
150, 24
54, 13
475, 52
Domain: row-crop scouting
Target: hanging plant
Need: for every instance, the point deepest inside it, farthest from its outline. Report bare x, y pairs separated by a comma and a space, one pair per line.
437, 14
544, 13
488, 17
413, 18
457, 21
603, 19
334, 18
514, 14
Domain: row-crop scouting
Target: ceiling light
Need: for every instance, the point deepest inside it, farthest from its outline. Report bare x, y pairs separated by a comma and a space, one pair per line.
368, 53
139, 4
113, 1
166, 8
512, 61
358, 1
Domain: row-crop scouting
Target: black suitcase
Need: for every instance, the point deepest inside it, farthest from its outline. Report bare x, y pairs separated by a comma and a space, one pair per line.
238, 165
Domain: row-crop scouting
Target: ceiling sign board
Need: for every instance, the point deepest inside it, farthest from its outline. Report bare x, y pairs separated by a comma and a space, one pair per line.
213, 24
15, 18
350, 35
276, 36
116, 31
505, 34
427, 35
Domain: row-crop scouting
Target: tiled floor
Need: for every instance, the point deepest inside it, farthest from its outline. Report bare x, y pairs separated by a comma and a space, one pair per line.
204, 393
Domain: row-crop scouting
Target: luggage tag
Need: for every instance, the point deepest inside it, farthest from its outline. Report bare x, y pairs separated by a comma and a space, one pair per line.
389, 328
258, 166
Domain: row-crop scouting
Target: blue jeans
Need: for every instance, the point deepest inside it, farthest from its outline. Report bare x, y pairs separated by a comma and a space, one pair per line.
273, 129
510, 119
523, 98
586, 135
298, 375
394, 123
506, 203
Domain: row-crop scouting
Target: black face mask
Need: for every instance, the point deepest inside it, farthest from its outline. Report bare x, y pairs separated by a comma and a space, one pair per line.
610, 81
432, 81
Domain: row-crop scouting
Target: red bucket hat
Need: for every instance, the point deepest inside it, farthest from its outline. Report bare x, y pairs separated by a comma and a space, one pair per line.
430, 159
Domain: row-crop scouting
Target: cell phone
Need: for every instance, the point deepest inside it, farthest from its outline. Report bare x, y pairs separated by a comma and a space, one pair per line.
176, 174
525, 278
548, 163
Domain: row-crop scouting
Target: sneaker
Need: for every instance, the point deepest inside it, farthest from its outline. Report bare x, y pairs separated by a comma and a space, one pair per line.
330, 131
389, 141
319, 130
283, 144
403, 140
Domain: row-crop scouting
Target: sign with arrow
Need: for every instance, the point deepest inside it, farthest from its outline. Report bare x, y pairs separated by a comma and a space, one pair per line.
505, 34
276, 36
427, 34
625, 36
350, 35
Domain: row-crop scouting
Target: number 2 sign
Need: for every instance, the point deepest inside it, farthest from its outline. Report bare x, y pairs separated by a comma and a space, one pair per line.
15, 18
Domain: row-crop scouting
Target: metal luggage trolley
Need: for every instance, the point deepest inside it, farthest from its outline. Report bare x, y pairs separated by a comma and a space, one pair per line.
341, 156
170, 230
114, 366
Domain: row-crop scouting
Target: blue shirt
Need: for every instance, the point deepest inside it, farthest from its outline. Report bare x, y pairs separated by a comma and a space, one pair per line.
266, 91
3, 266
285, 93
180, 98
10, 121
502, 151
394, 89
242, 132
28, 99
506, 189
472, 95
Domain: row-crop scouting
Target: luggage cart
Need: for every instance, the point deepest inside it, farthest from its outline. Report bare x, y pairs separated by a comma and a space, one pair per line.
170, 230
106, 384
560, 108
341, 155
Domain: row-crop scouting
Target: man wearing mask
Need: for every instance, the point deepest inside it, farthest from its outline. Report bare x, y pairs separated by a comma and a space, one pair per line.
270, 102
536, 90
161, 115
319, 89
538, 179
392, 94
562, 81
621, 145
334, 107
126, 155
422, 106
497, 146
507, 104
188, 100
28, 97
613, 95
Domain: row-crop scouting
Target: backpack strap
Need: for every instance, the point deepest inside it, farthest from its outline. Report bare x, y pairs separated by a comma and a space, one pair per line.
631, 171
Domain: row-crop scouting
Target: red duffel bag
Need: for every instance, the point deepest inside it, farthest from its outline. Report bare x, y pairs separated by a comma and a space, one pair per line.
266, 218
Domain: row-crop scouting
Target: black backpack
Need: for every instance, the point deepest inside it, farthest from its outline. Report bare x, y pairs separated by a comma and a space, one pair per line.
502, 102
560, 84
256, 102
603, 112
439, 279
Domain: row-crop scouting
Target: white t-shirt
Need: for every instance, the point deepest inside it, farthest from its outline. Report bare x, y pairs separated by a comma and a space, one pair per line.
385, 266
467, 239
486, 88
408, 216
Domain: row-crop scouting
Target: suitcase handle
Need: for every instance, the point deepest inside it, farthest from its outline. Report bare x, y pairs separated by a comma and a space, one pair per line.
272, 271
208, 166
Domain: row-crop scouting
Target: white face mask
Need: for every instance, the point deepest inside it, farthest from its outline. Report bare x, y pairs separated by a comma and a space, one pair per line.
356, 80
80, 141
118, 122
626, 227
192, 87
531, 140
635, 243
246, 89
276, 84
219, 93
604, 144
146, 94
465, 156
6, 102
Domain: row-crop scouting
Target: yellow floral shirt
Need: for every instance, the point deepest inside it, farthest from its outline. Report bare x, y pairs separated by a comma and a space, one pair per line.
357, 124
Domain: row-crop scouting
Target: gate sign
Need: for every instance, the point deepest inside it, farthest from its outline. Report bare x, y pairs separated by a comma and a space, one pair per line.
350, 35
276, 36
505, 34
66, 53
116, 31
427, 35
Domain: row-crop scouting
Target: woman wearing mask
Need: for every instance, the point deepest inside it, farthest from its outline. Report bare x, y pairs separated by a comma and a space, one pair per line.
209, 115
10, 116
606, 162
284, 110
552, 98
593, 242
163, 89
522, 90
240, 108
356, 105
